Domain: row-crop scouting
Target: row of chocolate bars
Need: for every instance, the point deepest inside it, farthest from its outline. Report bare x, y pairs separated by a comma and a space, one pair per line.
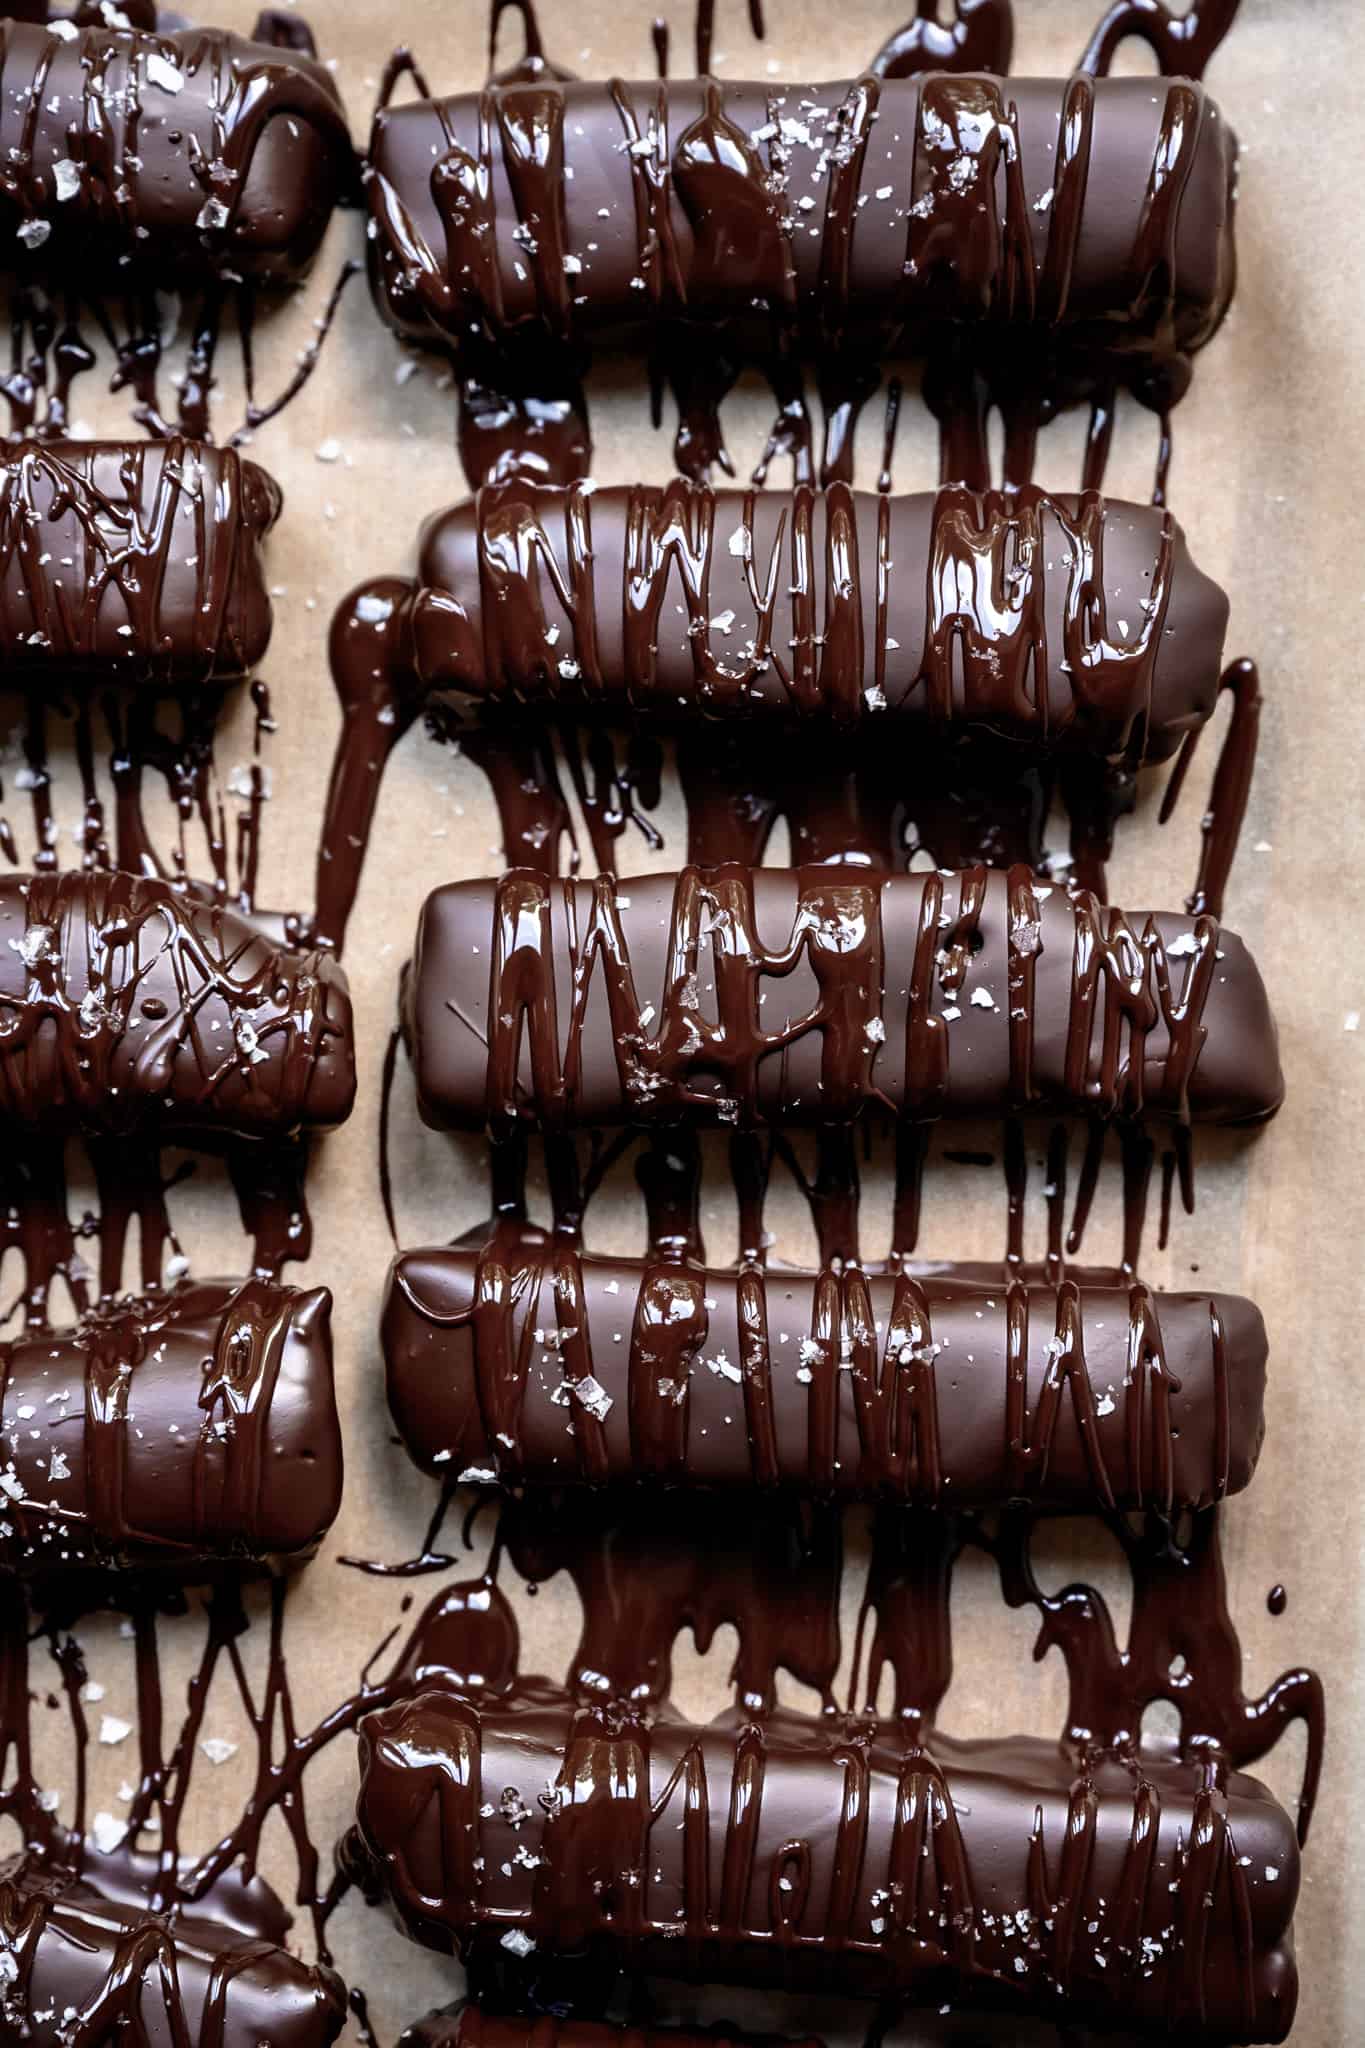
1038, 243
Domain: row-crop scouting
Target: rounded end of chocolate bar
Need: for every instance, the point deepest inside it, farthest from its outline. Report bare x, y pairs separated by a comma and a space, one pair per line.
427, 1334
446, 644
302, 1488
330, 1094
1238, 1078
297, 175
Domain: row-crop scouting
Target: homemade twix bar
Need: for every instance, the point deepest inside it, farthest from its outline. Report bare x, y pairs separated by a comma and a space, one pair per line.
1091, 214
78, 1967
178, 1432
531, 1363
1139, 1891
1047, 620
127, 1006
738, 995
194, 153
132, 562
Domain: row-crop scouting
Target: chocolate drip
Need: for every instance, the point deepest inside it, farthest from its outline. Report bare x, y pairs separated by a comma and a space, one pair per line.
1152, 1892
1050, 620
179, 1433
1135, 1887
126, 1007
133, 563
738, 995
771, 1569
85, 1970
979, 38
195, 151
1181, 43
930, 1389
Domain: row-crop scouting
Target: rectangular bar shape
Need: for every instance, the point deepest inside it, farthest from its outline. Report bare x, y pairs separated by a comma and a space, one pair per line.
1147, 1892
134, 562
128, 1007
177, 1434
1047, 621
195, 153
1092, 214
75, 1965
530, 1363
735, 995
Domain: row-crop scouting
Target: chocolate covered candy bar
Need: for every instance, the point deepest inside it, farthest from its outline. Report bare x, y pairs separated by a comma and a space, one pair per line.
1090, 215
193, 153
1048, 620
132, 562
178, 1433
1144, 1891
762, 995
530, 1363
129, 1007
78, 1970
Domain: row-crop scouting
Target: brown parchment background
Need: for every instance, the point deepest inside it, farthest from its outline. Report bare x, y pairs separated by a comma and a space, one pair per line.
1266, 481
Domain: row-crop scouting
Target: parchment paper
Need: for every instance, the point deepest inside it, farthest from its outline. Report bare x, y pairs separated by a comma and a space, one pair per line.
1266, 481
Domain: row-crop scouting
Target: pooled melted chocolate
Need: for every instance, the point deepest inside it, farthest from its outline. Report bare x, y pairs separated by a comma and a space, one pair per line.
1147, 1885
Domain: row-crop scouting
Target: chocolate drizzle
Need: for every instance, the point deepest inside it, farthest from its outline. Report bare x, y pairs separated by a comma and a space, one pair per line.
179, 1433
85, 1972
750, 996
840, 606
224, 152
922, 1387
1105, 1878
130, 155
996, 1872
483, 253
125, 1006
137, 563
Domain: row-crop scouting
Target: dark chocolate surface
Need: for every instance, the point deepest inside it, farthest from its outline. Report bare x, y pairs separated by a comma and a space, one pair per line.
127, 1006
1050, 620
534, 1364
1150, 1892
563, 210
737, 995
79, 1971
179, 1433
138, 562
194, 152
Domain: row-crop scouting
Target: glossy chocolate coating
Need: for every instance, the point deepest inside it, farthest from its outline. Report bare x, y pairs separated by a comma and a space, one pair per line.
1150, 1892
1048, 620
87, 1971
127, 1007
134, 562
881, 212
747, 995
177, 1433
195, 153
935, 1390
